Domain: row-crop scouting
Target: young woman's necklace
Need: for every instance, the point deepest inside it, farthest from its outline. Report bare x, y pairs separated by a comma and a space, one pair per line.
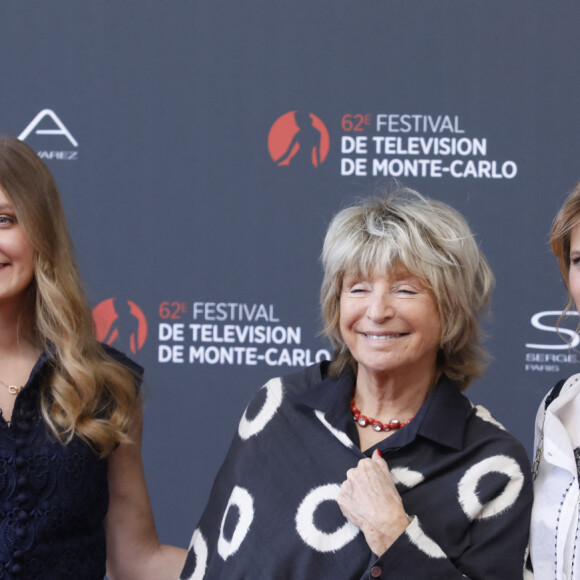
364, 421
12, 389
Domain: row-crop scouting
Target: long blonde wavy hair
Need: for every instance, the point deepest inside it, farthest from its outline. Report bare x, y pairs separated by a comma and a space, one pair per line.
89, 394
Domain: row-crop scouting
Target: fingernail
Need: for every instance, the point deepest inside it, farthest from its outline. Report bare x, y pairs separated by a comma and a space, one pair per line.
379, 452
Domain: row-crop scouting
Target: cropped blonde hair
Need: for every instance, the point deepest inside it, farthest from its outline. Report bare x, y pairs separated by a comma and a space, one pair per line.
433, 242
89, 394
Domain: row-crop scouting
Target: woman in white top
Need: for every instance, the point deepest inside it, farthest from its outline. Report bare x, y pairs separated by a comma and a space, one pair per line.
555, 538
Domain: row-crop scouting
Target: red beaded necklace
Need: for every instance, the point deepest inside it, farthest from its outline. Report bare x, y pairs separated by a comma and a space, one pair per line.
363, 421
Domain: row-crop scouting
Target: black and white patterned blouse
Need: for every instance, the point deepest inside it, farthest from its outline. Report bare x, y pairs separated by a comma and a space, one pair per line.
272, 513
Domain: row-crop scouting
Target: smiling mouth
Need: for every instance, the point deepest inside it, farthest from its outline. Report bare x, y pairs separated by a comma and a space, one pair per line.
383, 336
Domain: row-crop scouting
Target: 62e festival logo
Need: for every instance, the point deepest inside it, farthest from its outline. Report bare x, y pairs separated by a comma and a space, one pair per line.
122, 323
214, 333
300, 139
416, 145
388, 145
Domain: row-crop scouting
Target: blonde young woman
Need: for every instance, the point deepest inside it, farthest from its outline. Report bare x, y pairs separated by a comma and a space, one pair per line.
555, 529
73, 499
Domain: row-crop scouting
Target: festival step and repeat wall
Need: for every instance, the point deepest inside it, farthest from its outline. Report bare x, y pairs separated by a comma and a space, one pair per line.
201, 149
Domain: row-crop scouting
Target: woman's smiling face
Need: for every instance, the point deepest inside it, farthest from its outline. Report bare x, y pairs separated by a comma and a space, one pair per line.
390, 324
16, 253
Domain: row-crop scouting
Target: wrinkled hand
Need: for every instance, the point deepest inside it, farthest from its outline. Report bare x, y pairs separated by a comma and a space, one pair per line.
369, 499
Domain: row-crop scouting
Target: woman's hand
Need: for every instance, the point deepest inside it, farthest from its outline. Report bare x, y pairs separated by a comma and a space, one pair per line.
369, 499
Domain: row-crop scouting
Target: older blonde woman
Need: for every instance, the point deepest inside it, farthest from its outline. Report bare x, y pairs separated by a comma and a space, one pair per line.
438, 489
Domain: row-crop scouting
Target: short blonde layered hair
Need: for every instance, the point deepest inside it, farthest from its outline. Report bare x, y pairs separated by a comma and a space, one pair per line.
433, 242
89, 394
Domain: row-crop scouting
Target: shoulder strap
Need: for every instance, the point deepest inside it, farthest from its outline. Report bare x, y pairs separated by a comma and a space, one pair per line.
540, 443
554, 393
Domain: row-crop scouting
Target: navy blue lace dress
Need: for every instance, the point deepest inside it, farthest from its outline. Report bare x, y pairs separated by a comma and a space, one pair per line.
53, 498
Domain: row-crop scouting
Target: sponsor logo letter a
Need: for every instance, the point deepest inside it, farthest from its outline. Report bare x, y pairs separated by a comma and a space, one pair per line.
60, 130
